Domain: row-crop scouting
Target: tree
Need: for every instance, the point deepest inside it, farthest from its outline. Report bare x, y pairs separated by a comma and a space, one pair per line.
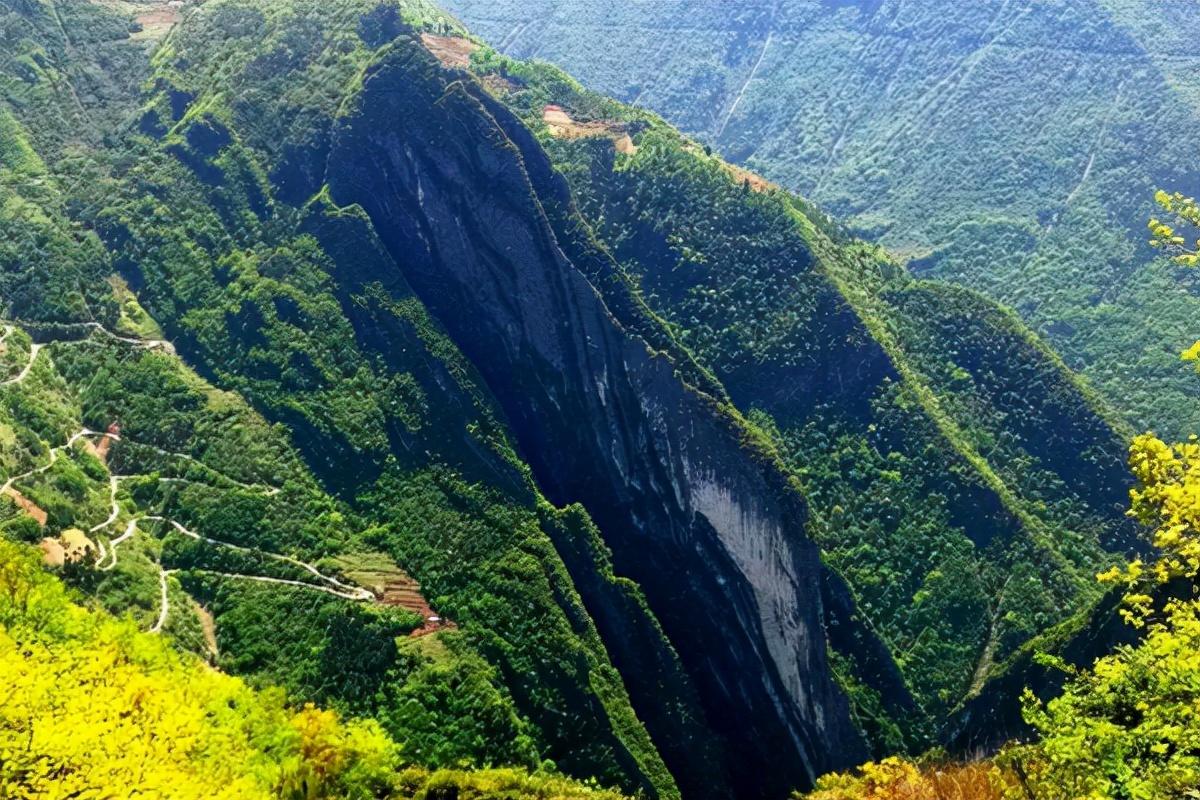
1166, 238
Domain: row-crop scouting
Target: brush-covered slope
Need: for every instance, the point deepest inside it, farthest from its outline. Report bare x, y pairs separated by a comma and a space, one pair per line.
416, 194
95, 706
1012, 147
350, 246
275, 548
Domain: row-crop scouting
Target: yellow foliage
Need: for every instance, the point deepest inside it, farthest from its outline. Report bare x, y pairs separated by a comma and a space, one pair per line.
1165, 237
90, 705
1168, 498
1128, 727
897, 779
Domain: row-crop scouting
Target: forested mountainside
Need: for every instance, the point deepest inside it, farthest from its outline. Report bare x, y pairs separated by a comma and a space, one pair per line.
1011, 147
357, 359
902, 408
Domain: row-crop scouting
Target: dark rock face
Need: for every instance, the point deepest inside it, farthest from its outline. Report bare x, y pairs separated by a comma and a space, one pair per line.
711, 532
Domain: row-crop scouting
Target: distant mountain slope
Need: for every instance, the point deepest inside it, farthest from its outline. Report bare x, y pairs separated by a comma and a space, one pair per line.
1009, 146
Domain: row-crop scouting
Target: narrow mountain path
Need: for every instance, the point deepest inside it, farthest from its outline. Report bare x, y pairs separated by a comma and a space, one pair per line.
334, 586
107, 554
116, 508
1097, 147
737, 100
107, 558
164, 603
953, 80
34, 349
269, 491
145, 344
54, 451
289, 582
130, 530
350, 592
511, 38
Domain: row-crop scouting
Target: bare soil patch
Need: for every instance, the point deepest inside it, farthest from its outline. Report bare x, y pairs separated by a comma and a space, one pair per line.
157, 20
757, 182
498, 84
740, 174
27, 505
452, 51
209, 626
394, 587
561, 125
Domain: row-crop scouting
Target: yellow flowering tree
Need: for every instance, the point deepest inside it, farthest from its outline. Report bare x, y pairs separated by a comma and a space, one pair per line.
89, 706
1128, 728
898, 779
1186, 211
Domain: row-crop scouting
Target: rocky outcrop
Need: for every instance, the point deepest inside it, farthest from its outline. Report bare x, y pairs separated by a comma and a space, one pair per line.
709, 529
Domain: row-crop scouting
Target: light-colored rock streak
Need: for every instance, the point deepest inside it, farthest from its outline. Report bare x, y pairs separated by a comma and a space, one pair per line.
758, 546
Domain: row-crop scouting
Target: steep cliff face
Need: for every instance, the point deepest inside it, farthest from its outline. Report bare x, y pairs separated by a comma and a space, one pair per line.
714, 536
454, 316
941, 447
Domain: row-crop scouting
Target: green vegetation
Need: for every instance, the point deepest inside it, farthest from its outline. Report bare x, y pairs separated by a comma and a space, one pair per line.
903, 407
226, 417
1123, 727
1011, 149
384, 444
91, 703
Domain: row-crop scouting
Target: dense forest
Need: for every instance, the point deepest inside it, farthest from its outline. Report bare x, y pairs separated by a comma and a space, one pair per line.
384, 416
1011, 147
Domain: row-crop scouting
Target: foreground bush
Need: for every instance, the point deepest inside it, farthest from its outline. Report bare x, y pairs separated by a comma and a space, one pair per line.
1128, 728
897, 779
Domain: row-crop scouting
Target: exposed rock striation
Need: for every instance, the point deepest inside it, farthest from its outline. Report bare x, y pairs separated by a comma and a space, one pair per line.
707, 526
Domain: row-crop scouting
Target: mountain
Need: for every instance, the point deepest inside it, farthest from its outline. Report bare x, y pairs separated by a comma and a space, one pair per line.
363, 361
901, 407
1011, 147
